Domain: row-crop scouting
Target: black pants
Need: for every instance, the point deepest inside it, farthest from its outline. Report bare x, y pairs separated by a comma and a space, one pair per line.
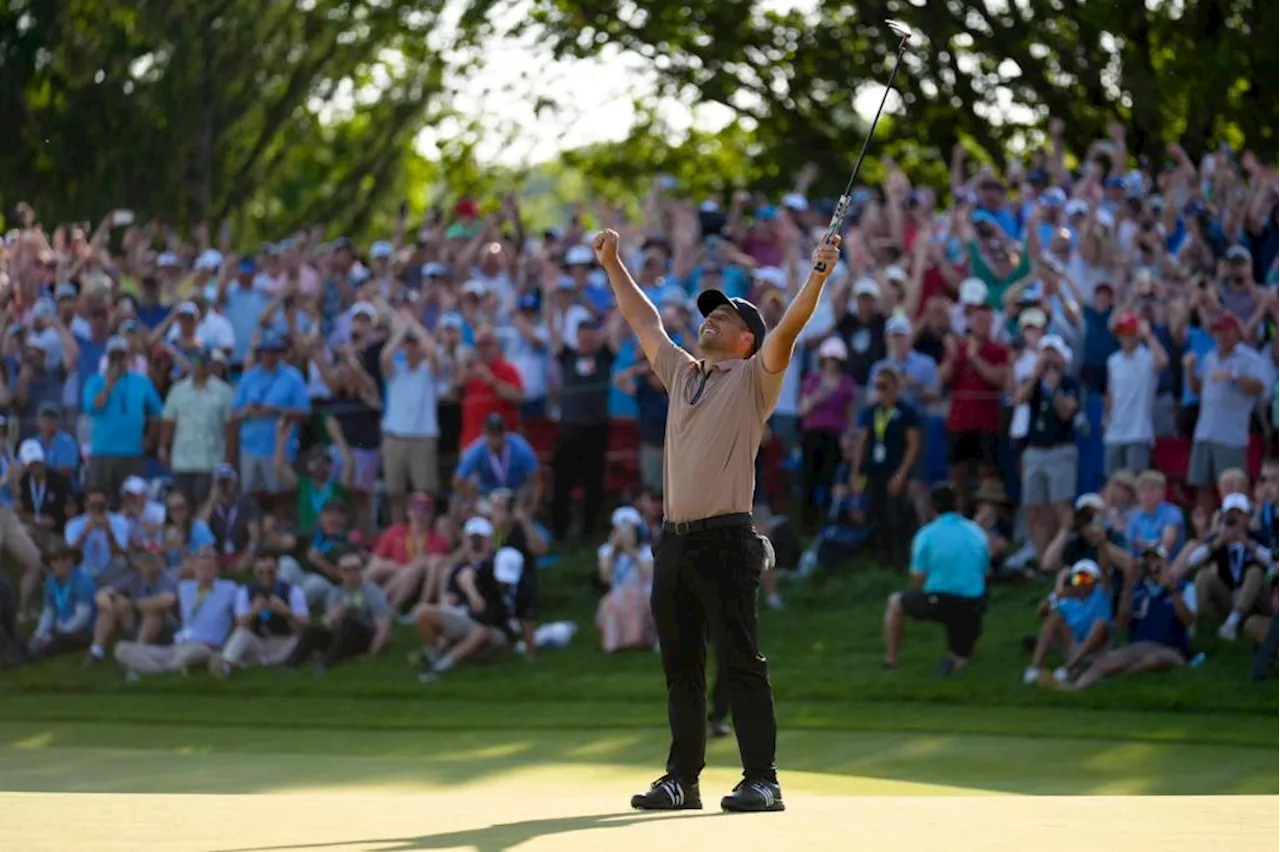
719, 696
706, 583
890, 518
579, 459
348, 639
821, 457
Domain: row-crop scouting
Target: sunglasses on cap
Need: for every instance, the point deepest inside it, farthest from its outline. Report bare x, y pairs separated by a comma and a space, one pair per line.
1080, 578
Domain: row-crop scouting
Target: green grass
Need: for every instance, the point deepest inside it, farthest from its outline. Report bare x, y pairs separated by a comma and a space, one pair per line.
824, 652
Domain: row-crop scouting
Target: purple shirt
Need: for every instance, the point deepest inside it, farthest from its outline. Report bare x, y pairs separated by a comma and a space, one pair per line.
832, 413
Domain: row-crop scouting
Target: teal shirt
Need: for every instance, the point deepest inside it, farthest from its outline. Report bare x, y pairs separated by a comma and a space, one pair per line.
951, 553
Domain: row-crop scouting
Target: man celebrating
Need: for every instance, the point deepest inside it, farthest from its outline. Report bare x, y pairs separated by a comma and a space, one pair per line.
709, 559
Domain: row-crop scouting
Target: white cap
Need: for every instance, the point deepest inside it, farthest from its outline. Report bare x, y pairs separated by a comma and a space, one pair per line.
478, 526
1032, 317
1235, 503
1057, 344
1077, 207
566, 282
364, 309
580, 256
30, 452
168, 258
209, 259
117, 344
434, 270
1105, 218
708, 206
135, 485
896, 273
973, 291
795, 201
771, 275
866, 287
188, 309
898, 324
1090, 501
475, 288
381, 250
1087, 566
624, 515
833, 347
508, 566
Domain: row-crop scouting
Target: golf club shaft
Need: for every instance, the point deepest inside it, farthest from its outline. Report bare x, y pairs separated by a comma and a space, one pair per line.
842, 206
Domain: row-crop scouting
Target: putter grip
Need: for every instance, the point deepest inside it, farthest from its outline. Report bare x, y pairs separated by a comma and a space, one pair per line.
837, 219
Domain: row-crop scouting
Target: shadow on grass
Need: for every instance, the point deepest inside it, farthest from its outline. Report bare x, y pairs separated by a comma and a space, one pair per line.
494, 838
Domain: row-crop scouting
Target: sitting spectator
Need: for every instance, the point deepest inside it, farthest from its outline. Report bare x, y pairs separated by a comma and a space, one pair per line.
318, 574
1158, 610
119, 405
1077, 621
992, 514
1156, 522
513, 526
357, 621
184, 534
886, 446
460, 603
61, 452
1089, 538
270, 617
42, 494
140, 605
66, 621
498, 459
145, 517
1233, 563
206, 608
1121, 497
101, 537
320, 487
409, 558
1265, 494
626, 570
1050, 459
233, 518
949, 567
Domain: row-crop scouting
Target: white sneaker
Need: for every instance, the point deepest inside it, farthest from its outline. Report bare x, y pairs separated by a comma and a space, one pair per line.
1023, 557
1061, 674
1030, 676
1228, 631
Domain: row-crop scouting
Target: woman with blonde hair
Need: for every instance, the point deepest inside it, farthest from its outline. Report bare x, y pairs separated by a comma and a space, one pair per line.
626, 567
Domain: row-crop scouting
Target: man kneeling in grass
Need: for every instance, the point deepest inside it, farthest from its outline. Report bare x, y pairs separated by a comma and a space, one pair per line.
1158, 609
1077, 622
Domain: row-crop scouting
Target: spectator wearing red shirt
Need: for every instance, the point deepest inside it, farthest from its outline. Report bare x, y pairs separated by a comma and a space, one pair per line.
408, 558
977, 371
491, 386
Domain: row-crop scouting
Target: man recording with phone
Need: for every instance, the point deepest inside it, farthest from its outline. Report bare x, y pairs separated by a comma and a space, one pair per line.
120, 406
1232, 564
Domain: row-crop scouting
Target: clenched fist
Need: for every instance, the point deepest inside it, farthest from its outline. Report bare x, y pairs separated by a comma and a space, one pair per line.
606, 246
826, 256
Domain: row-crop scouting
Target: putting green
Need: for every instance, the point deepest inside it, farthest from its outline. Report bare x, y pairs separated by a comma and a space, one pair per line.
174, 789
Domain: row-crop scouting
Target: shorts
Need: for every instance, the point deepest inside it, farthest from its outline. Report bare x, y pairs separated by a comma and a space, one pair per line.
456, 623
258, 475
1049, 474
1209, 460
961, 616
410, 462
1131, 457
979, 447
110, 472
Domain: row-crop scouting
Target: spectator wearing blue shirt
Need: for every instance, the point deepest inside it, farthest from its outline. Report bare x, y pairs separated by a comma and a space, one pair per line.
119, 405
1158, 609
66, 621
101, 537
1155, 521
651, 404
61, 452
950, 561
267, 393
497, 459
1077, 623
184, 535
1099, 342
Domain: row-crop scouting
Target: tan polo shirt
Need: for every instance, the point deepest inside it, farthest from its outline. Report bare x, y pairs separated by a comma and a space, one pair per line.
709, 459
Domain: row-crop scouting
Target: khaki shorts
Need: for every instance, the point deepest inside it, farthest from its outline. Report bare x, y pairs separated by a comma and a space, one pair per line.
258, 475
456, 623
410, 462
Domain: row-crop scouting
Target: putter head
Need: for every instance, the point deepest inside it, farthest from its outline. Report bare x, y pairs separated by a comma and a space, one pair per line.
899, 29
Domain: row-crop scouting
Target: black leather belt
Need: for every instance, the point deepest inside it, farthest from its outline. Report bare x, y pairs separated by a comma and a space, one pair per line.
718, 522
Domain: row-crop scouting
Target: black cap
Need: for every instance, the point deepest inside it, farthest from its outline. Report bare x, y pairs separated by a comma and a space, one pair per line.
495, 423
709, 300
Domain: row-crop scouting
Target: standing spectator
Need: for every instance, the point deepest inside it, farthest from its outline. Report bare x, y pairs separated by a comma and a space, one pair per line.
193, 437
410, 429
207, 610
100, 536
66, 621
119, 405
61, 452
826, 413
1133, 372
1077, 622
885, 449
41, 375
357, 620
498, 459
1229, 382
269, 393
140, 605
641, 382
526, 348
976, 370
356, 407
42, 494
1155, 522
862, 330
1050, 459
270, 617
583, 440
490, 386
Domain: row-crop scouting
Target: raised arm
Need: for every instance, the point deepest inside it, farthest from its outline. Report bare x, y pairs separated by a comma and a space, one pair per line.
776, 352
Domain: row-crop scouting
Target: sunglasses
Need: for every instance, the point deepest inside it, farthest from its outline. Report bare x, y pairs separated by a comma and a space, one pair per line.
1082, 579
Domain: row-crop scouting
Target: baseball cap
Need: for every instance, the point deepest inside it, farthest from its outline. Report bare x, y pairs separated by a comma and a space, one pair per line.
771, 275
475, 288
1227, 322
451, 320
117, 344
895, 273
528, 302
1057, 344
1089, 567
209, 259
30, 452
1090, 501
188, 309
866, 287
1156, 550
44, 309
49, 409
508, 566
1127, 323
1077, 207
795, 201
65, 290
973, 292
1235, 503
1238, 253
897, 324
168, 259
495, 423
579, 256
434, 270
364, 309
225, 471
478, 526
1053, 197
134, 485
834, 347
1032, 318
381, 249
624, 515
709, 300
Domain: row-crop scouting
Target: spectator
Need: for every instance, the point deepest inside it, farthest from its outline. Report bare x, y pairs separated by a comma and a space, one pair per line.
862, 330
885, 450
320, 487
61, 452
40, 376
826, 410
42, 494
1089, 538
526, 346
119, 405
498, 459
140, 605
184, 534
1133, 374
233, 518
206, 607
1050, 458
321, 550
992, 515
460, 603
409, 558
640, 381
271, 615
1233, 565
269, 394
949, 567
410, 429
490, 386
583, 439
193, 440
626, 570
1156, 522
1121, 497
1077, 622
101, 537
66, 621
355, 406
357, 621
145, 518
1229, 381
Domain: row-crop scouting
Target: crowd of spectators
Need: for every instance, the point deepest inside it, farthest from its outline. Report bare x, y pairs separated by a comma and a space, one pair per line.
233, 457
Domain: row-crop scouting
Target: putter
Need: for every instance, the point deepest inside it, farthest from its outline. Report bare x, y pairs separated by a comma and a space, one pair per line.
842, 206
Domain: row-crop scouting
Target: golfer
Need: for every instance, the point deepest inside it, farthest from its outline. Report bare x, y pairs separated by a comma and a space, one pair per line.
708, 561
